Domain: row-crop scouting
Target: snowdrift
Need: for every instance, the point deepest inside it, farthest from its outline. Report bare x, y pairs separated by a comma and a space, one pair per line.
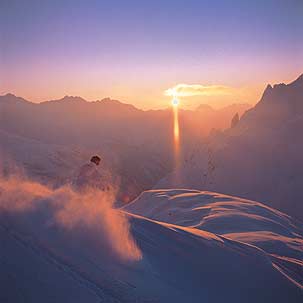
238, 219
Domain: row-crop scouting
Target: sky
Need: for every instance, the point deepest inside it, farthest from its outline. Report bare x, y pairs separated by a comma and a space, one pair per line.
147, 52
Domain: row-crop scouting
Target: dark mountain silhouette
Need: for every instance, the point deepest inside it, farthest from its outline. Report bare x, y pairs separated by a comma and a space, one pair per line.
278, 102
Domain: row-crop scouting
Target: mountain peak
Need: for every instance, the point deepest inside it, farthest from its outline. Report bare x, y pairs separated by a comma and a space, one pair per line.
10, 95
11, 98
268, 90
204, 107
278, 103
112, 103
298, 81
73, 99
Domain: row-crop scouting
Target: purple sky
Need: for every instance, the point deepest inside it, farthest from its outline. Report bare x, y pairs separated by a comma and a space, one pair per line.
136, 50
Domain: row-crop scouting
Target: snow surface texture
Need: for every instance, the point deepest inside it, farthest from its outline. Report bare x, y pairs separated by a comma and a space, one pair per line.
259, 159
238, 219
59, 246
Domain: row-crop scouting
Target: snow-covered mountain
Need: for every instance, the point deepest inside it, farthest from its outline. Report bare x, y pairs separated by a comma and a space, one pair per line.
55, 250
260, 158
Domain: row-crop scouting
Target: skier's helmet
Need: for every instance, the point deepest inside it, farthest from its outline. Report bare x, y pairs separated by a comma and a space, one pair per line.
95, 159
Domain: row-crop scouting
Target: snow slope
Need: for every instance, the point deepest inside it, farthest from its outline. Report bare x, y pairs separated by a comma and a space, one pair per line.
53, 260
29, 275
241, 220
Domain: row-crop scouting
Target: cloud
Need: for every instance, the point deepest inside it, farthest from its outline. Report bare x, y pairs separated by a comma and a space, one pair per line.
189, 90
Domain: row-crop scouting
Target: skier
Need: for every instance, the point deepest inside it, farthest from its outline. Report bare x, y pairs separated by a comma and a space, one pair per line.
90, 177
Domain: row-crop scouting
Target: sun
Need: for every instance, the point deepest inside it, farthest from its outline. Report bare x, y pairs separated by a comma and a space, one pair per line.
175, 102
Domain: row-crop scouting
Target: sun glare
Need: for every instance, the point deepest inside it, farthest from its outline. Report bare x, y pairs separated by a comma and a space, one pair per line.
176, 136
175, 102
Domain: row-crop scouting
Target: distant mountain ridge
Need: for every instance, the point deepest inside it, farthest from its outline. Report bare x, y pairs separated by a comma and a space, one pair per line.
71, 119
9, 97
280, 101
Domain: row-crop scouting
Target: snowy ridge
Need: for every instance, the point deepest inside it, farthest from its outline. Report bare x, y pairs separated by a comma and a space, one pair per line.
234, 218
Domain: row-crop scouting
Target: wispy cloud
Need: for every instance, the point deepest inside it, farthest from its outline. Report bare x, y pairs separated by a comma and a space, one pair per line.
188, 90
